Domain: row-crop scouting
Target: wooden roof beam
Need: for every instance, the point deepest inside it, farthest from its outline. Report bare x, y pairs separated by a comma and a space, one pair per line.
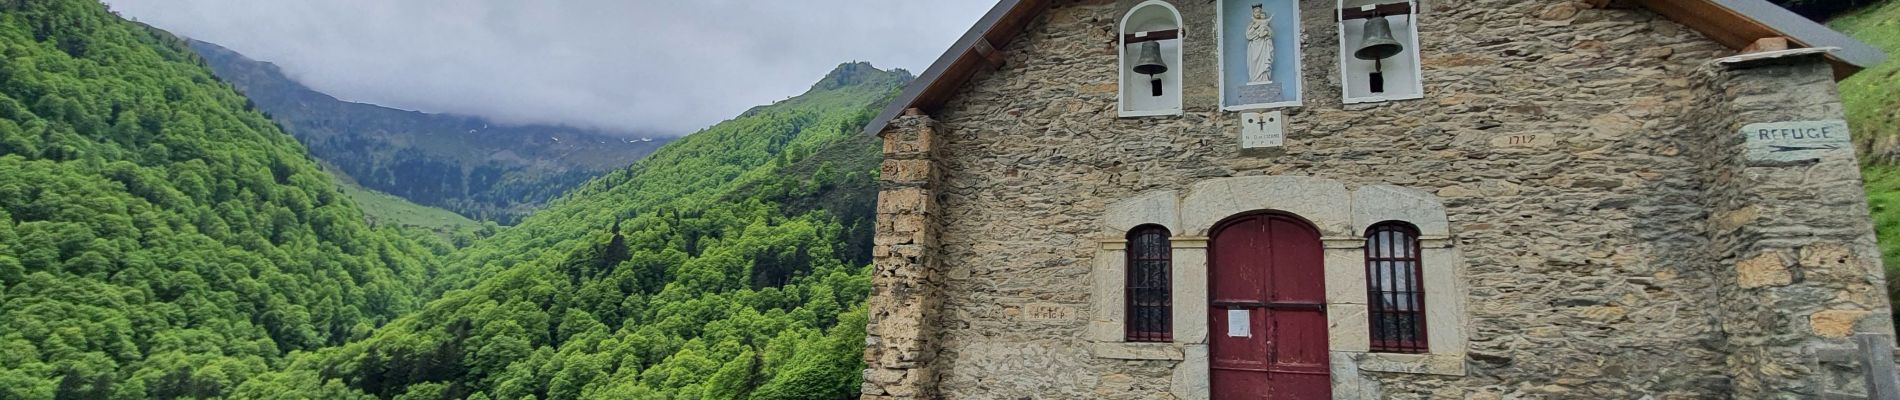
989, 53
1767, 44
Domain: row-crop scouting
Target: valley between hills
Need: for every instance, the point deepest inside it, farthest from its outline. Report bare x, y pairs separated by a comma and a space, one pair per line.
165, 237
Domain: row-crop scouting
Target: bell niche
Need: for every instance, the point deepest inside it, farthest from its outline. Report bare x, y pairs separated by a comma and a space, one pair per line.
1151, 38
1378, 56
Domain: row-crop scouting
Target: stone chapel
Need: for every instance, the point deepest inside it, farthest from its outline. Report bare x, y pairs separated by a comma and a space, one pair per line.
1368, 199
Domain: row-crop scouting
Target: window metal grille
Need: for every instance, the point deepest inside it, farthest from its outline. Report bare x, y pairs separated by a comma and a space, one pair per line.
1395, 289
1149, 295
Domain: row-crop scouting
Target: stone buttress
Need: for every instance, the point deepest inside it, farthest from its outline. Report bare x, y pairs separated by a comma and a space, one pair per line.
907, 278
1798, 271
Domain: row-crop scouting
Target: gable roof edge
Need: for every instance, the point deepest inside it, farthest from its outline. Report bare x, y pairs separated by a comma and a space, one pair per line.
1814, 34
1739, 23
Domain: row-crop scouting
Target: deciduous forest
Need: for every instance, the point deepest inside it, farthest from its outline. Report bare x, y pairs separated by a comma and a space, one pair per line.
730, 264
158, 237
164, 239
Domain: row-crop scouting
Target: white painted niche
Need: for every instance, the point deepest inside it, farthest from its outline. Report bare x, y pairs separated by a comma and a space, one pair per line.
1396, 77
1151, 32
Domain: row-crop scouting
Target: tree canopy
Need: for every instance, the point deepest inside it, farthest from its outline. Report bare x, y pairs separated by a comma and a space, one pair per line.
161, 238
158, 238
731, 264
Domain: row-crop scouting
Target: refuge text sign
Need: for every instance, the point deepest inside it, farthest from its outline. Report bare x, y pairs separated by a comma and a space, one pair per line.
1796, 140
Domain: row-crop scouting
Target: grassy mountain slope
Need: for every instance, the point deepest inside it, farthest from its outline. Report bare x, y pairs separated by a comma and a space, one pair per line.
158, 238
386, 209
464, 164
1873, 109
729, 264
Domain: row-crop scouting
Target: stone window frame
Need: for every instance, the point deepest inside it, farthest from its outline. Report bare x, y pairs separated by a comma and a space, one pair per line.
1176, 63
1341, 215
1107, 326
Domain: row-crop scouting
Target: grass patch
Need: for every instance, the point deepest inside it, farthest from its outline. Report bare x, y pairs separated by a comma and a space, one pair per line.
385, 209
1873, 109
1873, 96
1883, 198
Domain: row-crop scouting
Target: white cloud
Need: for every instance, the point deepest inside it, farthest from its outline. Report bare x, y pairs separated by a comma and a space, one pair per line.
667, 66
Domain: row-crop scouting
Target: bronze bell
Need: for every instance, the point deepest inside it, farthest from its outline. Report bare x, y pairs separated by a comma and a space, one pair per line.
1378, 43
1149, 63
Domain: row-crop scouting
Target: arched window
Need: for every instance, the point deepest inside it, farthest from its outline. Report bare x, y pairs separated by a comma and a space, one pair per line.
1395, 286
1149, 296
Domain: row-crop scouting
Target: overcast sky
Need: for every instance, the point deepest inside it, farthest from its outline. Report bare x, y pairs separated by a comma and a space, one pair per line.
665, 66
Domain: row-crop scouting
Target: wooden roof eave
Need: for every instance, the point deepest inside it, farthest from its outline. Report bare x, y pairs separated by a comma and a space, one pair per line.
1739, 23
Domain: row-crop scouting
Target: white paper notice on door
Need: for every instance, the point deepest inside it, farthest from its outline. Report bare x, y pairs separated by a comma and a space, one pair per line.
1239, 323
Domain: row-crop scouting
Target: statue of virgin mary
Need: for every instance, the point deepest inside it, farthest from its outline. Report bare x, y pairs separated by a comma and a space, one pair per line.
1260, 47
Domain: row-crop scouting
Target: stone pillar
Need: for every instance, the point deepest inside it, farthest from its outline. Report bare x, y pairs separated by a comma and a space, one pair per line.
907, 278
1795, 265
1348, 326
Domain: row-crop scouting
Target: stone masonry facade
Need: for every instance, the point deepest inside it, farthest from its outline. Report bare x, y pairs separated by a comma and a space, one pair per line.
1608, 235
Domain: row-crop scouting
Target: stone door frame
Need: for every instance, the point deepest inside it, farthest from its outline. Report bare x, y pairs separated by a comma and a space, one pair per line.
1342, 217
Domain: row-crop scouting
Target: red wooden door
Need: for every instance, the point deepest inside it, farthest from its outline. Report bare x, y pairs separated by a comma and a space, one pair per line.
1267, 293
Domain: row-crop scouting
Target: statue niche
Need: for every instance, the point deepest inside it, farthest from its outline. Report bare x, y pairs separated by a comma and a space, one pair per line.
1259, 54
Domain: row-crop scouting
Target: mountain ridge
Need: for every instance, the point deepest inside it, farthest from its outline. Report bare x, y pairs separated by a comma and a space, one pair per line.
466, 164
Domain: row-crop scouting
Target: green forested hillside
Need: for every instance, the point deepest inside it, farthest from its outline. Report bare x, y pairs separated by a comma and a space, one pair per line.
730, 264
159, 239
162, 239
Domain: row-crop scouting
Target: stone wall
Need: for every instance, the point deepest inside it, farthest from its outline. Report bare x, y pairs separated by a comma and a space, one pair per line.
1563, 140
1799, 271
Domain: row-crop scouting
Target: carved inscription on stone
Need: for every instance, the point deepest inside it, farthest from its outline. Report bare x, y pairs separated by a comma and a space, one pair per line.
1048, 312
1525, 140
1262, 130
1261, 93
